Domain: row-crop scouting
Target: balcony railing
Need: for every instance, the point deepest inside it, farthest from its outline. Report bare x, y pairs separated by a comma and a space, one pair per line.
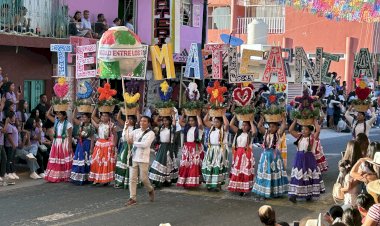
43, 18
276, 25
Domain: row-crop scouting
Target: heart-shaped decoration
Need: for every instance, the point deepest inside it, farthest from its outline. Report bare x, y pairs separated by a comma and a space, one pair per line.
242, 96
61, 88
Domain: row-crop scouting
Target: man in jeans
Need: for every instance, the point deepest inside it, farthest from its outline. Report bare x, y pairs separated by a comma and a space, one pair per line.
141, 139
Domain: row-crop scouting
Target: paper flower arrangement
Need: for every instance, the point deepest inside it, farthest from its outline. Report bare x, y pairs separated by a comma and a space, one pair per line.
165, 92
242, 97
132, 95
61, 89
273, 109
106, 95
192, 96
306, 108
88, 90
363, 93
216, 95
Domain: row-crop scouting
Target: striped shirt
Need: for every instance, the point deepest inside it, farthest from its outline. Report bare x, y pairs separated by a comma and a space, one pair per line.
374, 213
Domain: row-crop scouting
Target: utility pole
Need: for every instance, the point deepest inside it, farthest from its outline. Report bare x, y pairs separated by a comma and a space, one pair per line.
204, 23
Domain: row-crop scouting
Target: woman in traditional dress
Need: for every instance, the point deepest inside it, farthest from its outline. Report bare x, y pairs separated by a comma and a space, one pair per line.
124, 155
103, 157
271, 179
215, 163
61, 154
190, 170
306, 180
164, 169
85, 144
243, 165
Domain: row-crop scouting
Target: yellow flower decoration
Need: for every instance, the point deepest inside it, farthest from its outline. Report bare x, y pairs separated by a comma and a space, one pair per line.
215, 93
246, 84
362, 84
131, 99
164, 87
61, 81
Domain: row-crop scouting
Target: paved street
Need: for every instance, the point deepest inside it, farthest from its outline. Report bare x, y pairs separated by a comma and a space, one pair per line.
38, 203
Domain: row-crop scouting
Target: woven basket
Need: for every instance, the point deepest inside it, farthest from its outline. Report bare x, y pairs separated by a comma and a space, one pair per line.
361, 107
306, 122
108, 109
192, 112
130, 111
85, 108
216, 112
245, 117
165, 111
273, 118
61, 107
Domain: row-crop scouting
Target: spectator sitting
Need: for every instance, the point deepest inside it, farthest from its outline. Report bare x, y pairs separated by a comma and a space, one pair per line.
116, 22
334, 215
85, 20
364, 202
373, 215
75, 26
351, 217
22, 23
364, 169
129, 22
101, 25
5, 18
342, 126
267, 216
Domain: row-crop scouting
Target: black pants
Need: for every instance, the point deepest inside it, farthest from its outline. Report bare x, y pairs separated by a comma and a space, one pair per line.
42, 160
10, 167
3, 161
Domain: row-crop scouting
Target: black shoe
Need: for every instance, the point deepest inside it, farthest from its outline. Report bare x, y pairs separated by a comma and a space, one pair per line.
242, 194
106, 184
293, 199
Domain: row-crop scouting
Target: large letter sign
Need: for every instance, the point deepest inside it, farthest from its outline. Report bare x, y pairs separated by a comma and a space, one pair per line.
161, 56
81, 60
363, 64
326, 65
275, 66
217, 51
246, 62
62, 51
194, 67
314, 71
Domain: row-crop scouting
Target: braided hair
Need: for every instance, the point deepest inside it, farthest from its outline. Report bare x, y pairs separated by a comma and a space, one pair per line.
239, 132
356, 124
158, 141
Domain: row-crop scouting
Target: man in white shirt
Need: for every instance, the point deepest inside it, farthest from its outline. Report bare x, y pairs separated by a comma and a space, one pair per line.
86, 23
142, 140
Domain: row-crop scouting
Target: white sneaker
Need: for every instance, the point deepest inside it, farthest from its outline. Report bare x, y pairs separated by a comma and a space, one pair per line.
10, 176
34, 176
1, 179
15, 176
30, 156
42, 175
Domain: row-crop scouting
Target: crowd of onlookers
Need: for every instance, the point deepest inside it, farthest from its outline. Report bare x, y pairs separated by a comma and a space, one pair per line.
14, 21
81, 25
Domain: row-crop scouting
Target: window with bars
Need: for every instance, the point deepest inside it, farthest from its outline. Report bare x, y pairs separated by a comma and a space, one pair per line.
219, 17
186, 12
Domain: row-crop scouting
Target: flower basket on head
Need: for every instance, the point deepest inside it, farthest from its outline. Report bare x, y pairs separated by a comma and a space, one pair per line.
165, 106
165, 111
192, 112
106, 109
245, 117
273, 118
362, 91
130, 111
106, 101
131, 102
193, 106
85, 108
61, 107
306, 122
217, 112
